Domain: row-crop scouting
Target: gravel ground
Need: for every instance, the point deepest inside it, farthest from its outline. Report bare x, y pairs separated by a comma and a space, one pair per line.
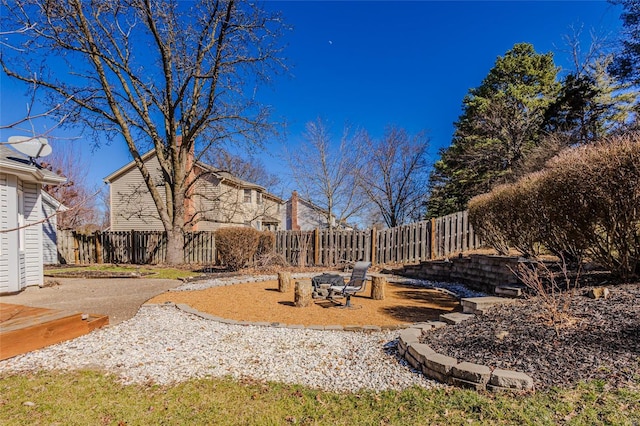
600, 341
164, 345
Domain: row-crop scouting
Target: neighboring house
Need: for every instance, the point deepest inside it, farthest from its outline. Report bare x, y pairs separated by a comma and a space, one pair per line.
218, 199
302, 215
50, 208
21, 217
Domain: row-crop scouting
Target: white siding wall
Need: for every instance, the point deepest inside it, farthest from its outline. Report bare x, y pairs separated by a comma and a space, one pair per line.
33, 234
4, 238
22, 274
310, 219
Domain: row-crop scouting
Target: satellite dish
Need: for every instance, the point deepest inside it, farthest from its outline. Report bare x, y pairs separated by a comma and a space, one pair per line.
31, 147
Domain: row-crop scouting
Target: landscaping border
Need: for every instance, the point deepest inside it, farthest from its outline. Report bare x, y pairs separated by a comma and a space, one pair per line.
447, 370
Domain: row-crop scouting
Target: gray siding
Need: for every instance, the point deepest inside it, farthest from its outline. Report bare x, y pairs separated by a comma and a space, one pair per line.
32, 234
49, 235
309, 218
131, 204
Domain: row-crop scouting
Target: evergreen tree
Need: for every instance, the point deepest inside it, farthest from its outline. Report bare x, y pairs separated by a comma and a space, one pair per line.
501, 122
626, 64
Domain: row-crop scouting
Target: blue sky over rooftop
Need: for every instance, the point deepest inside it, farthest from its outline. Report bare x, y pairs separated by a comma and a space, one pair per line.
373, 64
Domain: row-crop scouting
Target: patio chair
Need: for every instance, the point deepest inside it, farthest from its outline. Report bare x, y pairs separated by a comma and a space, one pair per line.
355, 285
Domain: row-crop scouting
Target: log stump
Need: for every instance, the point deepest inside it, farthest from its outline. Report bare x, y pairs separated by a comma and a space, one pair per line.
302, 297
377, 287
284, 282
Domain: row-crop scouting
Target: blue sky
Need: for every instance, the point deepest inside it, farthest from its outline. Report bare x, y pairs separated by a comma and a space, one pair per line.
373, 64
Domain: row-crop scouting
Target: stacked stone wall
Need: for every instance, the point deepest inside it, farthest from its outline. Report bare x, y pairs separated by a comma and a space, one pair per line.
479, 272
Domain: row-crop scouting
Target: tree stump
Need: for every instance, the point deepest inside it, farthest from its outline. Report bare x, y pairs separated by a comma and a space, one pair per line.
302, 297
377, 288
284, 281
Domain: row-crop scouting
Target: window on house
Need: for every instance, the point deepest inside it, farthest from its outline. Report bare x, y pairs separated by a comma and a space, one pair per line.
20, 220
259, 197
259, 225
247, 195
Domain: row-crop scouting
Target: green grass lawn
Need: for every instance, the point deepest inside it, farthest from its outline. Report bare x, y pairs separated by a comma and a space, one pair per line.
146, 271
92, 398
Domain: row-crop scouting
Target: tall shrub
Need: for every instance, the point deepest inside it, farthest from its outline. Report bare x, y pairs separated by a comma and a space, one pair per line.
604, 200
508, 216
486, 218
236, 246
586, 202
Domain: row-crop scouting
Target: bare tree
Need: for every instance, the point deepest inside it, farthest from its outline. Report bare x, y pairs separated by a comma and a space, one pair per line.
147, 72
395, 175
67, 160
326, 173
250, 169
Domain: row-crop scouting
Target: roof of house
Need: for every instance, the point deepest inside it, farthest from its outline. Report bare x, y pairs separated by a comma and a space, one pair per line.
13, 162
311, 205
223, 175
53, 202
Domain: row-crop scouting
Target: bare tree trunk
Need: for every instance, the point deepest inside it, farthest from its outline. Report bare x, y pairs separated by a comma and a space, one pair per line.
175, 247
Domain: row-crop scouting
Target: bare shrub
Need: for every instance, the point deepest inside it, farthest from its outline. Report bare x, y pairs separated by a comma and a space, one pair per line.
586, 203
554, 291
485, 219
270, 259
507, 216
266, 243
237, 246
600, 209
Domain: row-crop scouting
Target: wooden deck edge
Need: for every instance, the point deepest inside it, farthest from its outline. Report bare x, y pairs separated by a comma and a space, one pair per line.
42, 334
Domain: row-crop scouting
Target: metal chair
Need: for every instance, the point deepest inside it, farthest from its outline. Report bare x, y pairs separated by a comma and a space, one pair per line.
356, 284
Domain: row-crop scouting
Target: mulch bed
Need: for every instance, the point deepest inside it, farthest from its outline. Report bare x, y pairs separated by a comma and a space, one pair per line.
600, 341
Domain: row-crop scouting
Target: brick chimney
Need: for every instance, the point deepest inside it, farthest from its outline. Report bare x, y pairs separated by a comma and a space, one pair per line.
294, 211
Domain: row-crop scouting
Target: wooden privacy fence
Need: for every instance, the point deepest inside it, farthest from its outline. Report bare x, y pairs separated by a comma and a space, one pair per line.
137, 247
411, 243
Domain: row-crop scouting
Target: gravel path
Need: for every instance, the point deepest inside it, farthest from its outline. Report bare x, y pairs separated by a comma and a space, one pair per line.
164, 345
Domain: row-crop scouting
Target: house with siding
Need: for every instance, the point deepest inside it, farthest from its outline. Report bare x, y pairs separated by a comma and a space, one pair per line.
21, 220
50, 208
217, 199
303, 215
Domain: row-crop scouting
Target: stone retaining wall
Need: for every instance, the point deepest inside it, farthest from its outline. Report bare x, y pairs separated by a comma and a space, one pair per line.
479, 272
448, 370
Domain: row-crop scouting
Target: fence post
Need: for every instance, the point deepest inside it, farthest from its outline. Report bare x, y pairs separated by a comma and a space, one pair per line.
374, 244
76, 249
132, 249
316, 247
432, 255
98, 247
